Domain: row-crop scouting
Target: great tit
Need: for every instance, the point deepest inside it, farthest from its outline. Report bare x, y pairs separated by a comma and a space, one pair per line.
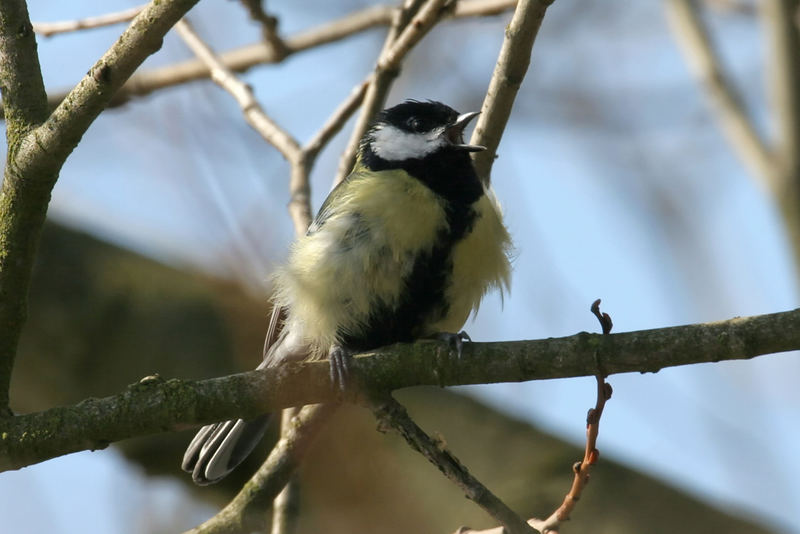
404, 248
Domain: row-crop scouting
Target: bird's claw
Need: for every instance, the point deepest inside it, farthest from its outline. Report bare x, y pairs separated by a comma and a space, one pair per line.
340, 359
456, 341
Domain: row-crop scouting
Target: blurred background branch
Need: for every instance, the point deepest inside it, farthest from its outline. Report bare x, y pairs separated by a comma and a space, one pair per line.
692, 35
246, 57
48, 29
775, 161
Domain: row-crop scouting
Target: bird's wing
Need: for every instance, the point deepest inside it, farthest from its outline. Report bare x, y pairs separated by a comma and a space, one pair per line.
328, 207
274, 329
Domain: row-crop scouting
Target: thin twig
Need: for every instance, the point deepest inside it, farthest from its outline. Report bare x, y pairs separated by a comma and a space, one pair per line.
245, 513
336, 121
285, 506
693, 37
246, 57
512, 65
299, 181
391, 414
252, 110
377, 85
47, 29
300, 194
269, 27
301, 159
582, 468
412, 23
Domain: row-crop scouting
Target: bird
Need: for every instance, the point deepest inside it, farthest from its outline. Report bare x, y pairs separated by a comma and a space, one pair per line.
404, 248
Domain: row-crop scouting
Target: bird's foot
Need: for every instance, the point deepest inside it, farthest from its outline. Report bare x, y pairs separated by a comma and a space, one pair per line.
340, 359
456, 341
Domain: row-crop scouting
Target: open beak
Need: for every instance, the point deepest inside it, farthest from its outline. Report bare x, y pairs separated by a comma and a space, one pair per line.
455, 132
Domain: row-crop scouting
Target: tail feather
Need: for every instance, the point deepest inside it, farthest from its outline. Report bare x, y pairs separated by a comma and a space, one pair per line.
217, 449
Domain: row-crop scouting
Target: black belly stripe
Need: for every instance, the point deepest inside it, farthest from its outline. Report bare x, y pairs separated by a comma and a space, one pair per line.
453, 178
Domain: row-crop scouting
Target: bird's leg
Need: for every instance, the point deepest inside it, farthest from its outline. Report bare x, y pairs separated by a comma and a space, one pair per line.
456, 341
340, 359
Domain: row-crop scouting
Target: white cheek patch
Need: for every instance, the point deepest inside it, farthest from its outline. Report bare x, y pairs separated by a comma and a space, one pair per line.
393, 144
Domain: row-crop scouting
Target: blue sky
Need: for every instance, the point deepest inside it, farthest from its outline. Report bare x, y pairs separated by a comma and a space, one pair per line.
616, 184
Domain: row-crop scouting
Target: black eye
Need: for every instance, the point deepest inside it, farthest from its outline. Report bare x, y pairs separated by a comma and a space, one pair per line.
416, 124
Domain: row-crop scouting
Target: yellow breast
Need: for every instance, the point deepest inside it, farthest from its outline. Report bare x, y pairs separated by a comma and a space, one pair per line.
364, 250
480, 263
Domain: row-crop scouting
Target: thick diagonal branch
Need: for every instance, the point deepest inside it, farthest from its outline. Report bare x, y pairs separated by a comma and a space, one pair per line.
23, 197
36, 154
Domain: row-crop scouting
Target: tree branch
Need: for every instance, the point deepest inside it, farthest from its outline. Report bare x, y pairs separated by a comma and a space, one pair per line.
582, 469
285, 508
256, 117
704, 62
269, 27
380, 80
246, 57
23, 199
391, 414
35, 158
48, 29
301, 159
782, 37
512, 65
20, 75
156, 405
246, 512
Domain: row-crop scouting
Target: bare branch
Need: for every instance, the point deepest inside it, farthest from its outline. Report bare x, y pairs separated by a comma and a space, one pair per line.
512, 65
301, 160
23, 201
583, 468
402, 37
285, 506
391, 414
252, 110
782, 35
299, 188
482, 8
246, 57
245, 513
63, 129
698, 51
269, 27
159, 405
48, 29
38, 153
336, 122
257, 118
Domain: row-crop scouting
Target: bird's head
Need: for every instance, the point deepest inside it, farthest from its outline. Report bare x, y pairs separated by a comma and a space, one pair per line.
417, 130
